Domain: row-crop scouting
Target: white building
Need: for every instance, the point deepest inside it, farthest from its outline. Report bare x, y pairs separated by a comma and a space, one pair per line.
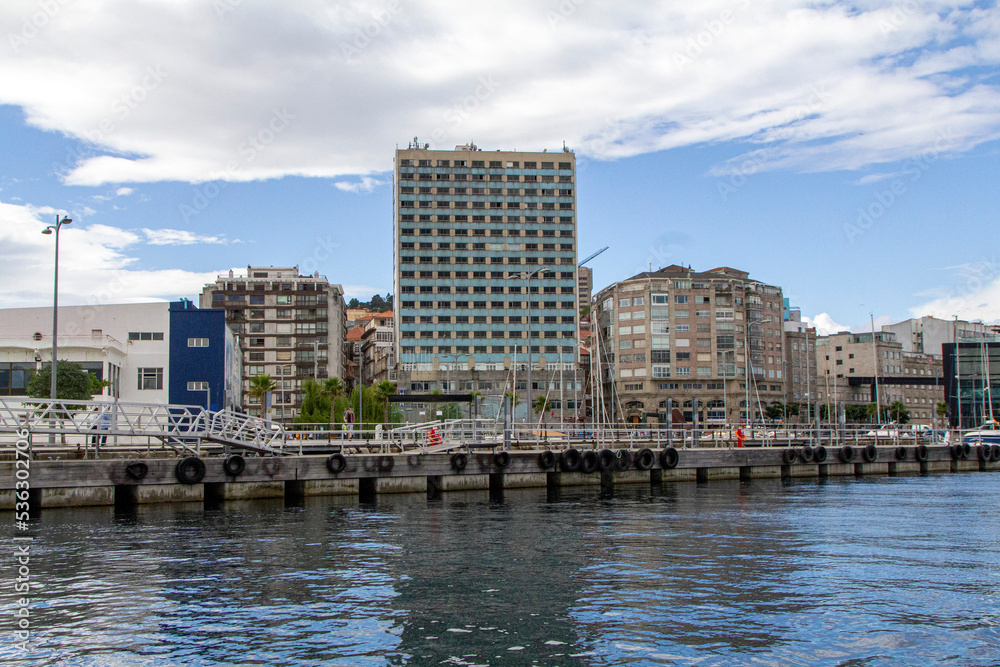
130, 346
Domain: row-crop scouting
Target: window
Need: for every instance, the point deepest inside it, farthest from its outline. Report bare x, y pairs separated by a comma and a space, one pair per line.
197, 386
682, 328
659, 298
680, 298
197, 342
683, 370
150, 378
145, 335
624, 303
638, 301
661, 371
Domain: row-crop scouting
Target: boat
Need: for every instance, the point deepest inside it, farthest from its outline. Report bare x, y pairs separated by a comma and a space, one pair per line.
987, 434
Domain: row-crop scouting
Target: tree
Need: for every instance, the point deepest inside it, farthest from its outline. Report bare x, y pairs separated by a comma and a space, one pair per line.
334, 389
72, 382
451, 411
388, 302
376, 304
775, 411
542, 405
259, 386
354, 303
856, 413
942, 409
898, 412
792, 409
382, 391
872, 411
314, 404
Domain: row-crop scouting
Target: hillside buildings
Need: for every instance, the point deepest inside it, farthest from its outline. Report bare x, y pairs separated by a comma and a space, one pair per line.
485, 252
714, 337
289, 326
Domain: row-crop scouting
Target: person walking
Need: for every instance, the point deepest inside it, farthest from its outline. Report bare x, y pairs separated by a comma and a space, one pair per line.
102, 423
349, 423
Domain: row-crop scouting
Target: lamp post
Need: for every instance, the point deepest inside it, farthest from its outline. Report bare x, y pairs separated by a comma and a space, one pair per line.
528, 276
55, 302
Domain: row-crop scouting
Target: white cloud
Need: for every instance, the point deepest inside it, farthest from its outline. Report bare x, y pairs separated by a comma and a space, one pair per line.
308, 88
824, 324
121, 192
974, 294
875, 178
366, 184
182, 237
93, 265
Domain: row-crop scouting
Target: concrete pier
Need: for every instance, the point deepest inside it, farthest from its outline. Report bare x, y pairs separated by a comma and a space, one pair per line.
77, 483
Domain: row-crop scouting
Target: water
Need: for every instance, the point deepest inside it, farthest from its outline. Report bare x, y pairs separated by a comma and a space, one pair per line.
875, 571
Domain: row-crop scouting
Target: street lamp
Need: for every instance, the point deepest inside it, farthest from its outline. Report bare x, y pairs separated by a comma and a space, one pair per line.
55, 301
527, 276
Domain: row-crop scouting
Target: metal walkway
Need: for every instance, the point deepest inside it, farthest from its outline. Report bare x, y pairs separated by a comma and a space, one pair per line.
182, 428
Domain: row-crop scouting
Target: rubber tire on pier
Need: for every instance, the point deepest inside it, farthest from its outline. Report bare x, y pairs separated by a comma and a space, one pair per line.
806, 454
645, 459
501, 459
956, 452
921, 453
788, 456
136, 470
624, 461
984, 453
966, 450
546, 460
900, 453
846, 454
570, 460
869, 454
459, 461
819, 454
190, 470
385, 463
336, 463
606, 460
996, 452
669, 458
589, 462
234, 465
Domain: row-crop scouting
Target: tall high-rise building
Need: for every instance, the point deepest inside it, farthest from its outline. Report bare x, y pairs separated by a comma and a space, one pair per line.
472, 229
289, 326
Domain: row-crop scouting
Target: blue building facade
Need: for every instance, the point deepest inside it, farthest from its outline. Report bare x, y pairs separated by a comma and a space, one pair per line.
205, 362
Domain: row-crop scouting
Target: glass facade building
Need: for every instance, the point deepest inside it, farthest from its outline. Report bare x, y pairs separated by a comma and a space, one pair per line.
470, 227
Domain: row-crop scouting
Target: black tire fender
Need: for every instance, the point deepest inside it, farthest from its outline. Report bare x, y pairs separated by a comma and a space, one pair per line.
190, 470
336, 463
669, 458
234, 465
137, 470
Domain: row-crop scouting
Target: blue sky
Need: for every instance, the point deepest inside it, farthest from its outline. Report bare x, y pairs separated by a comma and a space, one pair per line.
848, 153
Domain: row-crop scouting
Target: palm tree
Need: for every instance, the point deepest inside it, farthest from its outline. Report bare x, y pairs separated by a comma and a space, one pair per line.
383, 390
259, 386
542, 405
335, 389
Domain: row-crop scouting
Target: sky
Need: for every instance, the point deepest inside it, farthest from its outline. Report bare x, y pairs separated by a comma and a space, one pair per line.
847, 152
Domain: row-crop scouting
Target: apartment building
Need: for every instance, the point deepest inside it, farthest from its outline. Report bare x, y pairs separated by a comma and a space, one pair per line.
713, 336
854, 369
485, 250
584, 287
927, 335
289, 326
800, 363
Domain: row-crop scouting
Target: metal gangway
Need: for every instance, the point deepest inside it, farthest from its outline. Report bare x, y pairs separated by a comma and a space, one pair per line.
182, 428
